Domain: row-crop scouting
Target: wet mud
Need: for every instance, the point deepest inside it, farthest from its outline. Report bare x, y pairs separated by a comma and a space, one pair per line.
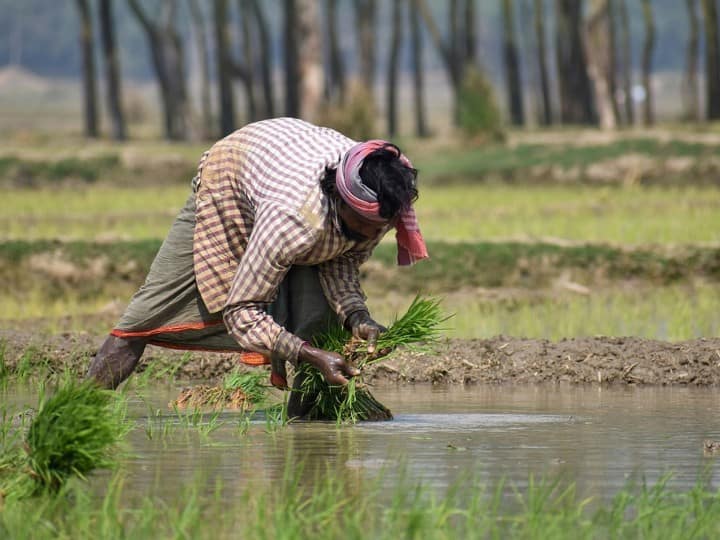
498, 360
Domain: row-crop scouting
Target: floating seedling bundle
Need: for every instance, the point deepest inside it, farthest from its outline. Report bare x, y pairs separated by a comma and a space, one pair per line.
239, 391
354, 402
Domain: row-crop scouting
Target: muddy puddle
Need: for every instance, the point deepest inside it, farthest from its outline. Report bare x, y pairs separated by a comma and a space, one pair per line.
600, 438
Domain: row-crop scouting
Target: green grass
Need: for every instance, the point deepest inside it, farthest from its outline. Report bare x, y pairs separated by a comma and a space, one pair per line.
677, 312
511, 162
333, 508
638, 215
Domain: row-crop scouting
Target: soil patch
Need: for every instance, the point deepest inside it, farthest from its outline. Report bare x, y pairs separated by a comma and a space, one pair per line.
498, 360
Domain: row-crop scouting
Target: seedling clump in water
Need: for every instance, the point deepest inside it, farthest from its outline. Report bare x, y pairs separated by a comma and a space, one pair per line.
239, 391
74, 432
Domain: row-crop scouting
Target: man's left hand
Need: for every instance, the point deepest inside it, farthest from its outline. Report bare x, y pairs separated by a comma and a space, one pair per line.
364, 327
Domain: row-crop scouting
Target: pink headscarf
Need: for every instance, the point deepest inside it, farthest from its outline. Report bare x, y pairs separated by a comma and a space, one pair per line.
362, 199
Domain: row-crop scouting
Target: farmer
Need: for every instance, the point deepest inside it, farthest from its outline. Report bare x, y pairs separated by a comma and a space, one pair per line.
267, 249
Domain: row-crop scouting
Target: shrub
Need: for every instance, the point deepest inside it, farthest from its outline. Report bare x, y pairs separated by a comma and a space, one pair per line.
480, 117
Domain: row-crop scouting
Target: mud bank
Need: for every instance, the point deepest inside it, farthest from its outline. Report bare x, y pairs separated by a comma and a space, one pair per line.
499, 360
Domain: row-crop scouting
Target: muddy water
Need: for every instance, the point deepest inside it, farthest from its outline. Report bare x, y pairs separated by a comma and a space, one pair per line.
599, 438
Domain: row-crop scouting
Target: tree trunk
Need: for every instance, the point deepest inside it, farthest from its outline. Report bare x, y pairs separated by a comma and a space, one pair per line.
626, 62
712, 59
292, 60
691, 89
224, 69
310, 58
576, 99
201, 42
416, 45
446, 53
89, 76
112, 71
539, 23
265, 59
365, 19
168, 63
512, 66
393, 61
248, 56
335, 89
597, 31
612, 60
648, 46
470, 34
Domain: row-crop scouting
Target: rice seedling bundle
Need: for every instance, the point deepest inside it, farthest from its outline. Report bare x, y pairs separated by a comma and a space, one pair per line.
354, 402
239, 391
75, 431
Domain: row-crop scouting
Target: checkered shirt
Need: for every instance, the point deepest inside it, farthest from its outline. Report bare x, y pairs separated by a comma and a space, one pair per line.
259, 210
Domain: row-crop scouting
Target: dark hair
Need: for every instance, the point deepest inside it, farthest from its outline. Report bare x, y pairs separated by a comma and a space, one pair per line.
392, 180
383, 172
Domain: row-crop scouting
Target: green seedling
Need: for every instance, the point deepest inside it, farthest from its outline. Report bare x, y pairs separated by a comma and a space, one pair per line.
354, 402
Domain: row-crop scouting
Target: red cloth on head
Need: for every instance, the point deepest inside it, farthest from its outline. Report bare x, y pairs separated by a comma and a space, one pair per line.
410, 243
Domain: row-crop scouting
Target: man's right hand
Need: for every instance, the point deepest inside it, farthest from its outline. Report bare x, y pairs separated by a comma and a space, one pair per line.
333, 366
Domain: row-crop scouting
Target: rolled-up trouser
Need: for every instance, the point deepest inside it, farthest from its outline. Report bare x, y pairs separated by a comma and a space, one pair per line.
168, 310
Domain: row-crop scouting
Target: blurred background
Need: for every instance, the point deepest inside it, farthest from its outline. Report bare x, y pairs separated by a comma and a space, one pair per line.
194, 69
568, 149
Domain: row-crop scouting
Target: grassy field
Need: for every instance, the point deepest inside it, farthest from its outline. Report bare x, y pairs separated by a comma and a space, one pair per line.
472, 213
333, 509
558, 256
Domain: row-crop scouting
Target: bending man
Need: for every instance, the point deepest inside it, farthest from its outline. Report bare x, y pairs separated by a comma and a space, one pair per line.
268, 246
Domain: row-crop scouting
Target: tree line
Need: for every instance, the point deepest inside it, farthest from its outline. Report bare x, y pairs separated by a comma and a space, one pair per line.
588, 42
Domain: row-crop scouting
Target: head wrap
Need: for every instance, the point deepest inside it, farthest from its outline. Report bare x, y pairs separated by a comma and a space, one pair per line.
363, 200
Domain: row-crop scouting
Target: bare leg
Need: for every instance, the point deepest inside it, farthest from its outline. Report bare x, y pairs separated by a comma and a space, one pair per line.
115, 361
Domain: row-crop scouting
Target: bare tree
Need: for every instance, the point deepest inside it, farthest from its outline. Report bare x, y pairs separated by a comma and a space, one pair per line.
89, 77
265, 58
599, 61
448, 50
539, 24
470, 34
168, 61
365, 21
292, 59
224, 67
201, 43
648, 46
335, 87
310, 57
612, 59
712, 59
248, 74
112, 71
393, 61
416, 47
512, 65
303, 59
691, 88
576, 98
626, 46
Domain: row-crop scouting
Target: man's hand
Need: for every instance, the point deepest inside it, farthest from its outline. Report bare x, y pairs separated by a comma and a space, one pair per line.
333, 366
364, 327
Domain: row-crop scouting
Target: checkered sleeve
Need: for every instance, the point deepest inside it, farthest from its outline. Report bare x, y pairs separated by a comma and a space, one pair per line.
278, 238
340, 280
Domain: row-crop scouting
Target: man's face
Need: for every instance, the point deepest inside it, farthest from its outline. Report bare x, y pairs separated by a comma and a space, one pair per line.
357, 228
